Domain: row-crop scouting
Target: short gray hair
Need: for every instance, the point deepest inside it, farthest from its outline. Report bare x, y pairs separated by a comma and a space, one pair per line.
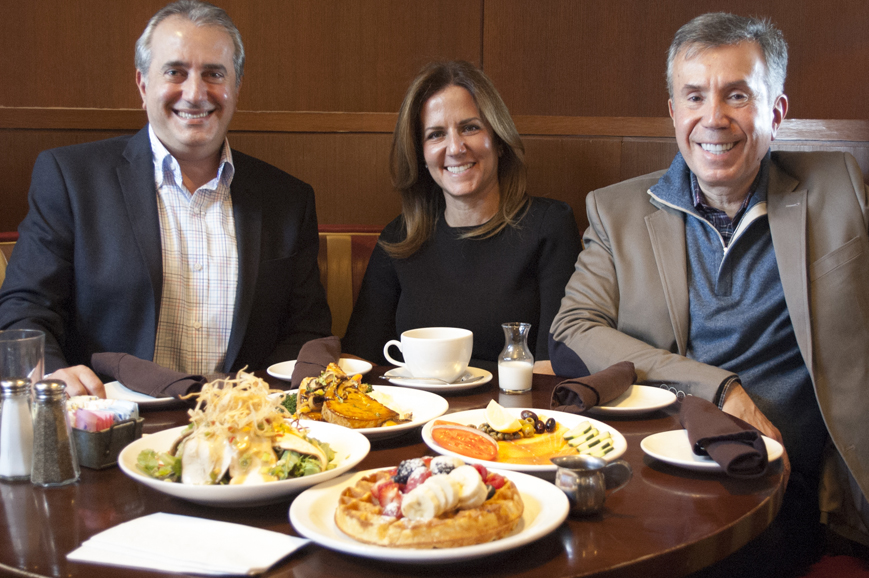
200, 14
720, 29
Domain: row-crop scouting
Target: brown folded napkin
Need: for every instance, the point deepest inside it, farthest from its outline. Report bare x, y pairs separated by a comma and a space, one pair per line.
583, 393
314, 356
145, 376
734, 444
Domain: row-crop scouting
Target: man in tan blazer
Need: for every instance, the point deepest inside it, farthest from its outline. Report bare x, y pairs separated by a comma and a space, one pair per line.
738, 274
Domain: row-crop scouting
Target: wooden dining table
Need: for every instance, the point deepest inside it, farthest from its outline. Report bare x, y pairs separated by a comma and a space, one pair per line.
667, 521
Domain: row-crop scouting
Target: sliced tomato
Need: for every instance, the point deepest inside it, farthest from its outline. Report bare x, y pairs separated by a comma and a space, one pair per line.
465, 441
444, 422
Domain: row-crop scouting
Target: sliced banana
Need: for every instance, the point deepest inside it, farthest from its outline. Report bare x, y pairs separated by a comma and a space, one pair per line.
419, 504
451, 489
473, 492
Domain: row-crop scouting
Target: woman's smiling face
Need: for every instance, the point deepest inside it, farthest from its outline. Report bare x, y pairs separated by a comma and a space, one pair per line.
459, 145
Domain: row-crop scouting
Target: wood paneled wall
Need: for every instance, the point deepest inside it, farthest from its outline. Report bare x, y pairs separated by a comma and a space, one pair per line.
584, 80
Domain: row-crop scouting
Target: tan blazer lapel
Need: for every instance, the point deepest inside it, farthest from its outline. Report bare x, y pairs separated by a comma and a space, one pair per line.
786, 205
667, 234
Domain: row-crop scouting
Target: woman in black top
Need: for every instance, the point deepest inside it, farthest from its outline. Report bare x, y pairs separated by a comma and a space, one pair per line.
471, 248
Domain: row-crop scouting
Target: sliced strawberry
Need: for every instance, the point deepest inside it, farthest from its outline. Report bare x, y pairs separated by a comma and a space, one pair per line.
484, 473
390, 499
427, 460
497, 481
377, 489
417, 477
393, 509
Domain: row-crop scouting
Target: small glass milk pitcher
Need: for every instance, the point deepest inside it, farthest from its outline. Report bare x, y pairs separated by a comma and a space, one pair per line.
515, 364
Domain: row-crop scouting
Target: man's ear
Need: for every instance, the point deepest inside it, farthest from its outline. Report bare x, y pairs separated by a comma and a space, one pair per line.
779, 112
140, 83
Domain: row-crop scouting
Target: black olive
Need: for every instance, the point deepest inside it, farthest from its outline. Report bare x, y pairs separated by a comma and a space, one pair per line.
539, 427
528, 413
550, 425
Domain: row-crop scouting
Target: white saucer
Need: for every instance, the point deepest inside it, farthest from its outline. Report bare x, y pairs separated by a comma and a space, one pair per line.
672, 447
473, 377
284, 370
636, 400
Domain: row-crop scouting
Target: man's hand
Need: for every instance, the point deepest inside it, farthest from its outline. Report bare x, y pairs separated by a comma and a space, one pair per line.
80, 380
739, 404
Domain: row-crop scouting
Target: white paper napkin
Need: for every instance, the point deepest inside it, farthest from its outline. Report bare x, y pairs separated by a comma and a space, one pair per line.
172, 543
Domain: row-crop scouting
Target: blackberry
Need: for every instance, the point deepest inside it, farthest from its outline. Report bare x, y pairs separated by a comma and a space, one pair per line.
405, 468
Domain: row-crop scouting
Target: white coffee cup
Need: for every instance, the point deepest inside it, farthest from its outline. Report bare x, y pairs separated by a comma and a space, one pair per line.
438, 352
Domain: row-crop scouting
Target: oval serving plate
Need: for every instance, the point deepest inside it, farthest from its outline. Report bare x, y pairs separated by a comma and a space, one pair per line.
350, 448
475, 417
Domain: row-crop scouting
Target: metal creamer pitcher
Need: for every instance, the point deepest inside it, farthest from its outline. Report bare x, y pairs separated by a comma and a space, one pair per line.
586, 479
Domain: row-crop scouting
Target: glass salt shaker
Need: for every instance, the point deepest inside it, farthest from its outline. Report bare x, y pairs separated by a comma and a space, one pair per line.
16, 429
55, 462
515, 364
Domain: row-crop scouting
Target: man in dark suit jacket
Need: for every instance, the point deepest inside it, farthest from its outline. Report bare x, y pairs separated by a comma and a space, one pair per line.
90, 265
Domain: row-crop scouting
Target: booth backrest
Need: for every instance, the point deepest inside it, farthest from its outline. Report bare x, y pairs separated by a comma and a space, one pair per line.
5, 251
343, 258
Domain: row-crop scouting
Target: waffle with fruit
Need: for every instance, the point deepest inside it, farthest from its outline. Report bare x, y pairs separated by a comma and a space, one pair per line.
430, 503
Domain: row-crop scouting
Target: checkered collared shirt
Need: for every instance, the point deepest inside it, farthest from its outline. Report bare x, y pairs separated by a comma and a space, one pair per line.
718, 218
200, 265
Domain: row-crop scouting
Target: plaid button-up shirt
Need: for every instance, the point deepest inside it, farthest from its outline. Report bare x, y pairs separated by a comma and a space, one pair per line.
200, 265
718, 218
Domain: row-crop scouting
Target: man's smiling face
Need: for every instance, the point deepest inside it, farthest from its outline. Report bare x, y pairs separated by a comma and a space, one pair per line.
724, 117
190, 92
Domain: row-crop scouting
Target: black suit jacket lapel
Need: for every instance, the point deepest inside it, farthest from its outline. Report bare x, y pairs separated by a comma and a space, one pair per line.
136, 177
247, 210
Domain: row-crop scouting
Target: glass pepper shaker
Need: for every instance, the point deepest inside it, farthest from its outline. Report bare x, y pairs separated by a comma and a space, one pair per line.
16, 429
515, 364
55, 462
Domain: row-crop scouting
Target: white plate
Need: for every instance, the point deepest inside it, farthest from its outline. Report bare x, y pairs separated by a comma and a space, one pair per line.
637, 399
399, 376
350, 449
284, 370
313, 516
673, 447
424, 405
115, 390
475, 417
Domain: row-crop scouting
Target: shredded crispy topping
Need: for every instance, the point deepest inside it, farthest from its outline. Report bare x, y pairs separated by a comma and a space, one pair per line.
232, 406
